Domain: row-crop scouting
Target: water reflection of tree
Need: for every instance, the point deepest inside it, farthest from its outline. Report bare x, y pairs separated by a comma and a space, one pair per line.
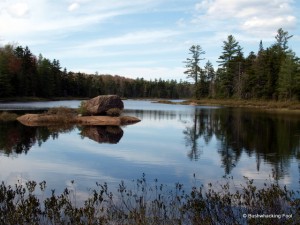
271, 138
191, 136
16, 138
201, 127
227, 132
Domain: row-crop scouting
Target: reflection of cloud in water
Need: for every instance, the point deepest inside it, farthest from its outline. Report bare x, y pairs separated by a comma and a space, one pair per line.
246, 143
56, 174
136, 155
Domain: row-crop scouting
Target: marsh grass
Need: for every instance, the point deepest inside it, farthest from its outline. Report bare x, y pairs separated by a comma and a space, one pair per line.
62, 110
6, 116
164, 102
60, 115
261, 104
150, 203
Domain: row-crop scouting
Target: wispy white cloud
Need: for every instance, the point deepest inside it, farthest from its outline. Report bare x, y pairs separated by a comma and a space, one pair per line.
90, 34
259, 17
133, 38
19, 9
74, 6
254, 23
50, 16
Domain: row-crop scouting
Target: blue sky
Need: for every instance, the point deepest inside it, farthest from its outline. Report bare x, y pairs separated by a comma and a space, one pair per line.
142, 38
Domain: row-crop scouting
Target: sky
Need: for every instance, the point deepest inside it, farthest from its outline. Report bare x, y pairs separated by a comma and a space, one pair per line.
143, 38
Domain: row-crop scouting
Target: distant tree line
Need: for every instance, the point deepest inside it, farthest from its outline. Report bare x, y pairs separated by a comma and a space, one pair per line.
24, 74
271, 73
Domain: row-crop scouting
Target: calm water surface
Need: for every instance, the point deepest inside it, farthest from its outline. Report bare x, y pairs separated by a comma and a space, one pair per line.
171, 143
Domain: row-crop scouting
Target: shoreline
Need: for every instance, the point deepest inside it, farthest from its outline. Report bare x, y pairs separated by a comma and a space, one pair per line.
264, 105
39, 99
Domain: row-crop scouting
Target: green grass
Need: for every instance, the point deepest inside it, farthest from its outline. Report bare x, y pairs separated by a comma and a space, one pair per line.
151, 203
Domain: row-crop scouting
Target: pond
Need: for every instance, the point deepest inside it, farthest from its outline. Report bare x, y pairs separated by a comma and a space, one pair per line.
172, 143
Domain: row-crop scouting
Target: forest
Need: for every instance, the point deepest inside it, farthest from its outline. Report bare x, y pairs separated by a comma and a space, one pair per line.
273, 73
23, 74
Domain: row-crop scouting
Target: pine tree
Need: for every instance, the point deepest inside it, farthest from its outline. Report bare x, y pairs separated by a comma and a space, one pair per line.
282, 38
193, 67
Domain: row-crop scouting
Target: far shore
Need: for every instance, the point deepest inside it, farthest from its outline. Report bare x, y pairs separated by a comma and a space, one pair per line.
39, 99
273, 106
266, 105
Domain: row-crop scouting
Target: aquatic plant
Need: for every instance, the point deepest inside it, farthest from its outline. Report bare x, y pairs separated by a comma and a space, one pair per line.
151, 203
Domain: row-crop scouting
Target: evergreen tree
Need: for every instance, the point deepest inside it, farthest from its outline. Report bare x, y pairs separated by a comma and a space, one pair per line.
261, 47
193, 67
282, 38
287, 80
45, 78
260, 67
230, 65
210, 76
5, 85
27, 76
249, 78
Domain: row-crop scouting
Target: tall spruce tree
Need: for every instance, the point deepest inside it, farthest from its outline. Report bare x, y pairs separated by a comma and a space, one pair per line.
230, 65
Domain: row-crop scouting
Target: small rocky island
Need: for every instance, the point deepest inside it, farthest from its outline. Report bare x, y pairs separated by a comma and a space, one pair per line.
102, 110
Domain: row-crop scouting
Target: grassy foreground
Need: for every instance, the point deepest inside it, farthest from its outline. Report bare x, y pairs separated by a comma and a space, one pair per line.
151, 203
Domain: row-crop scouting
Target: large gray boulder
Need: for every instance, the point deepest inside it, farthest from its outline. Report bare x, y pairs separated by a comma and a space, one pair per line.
100, 104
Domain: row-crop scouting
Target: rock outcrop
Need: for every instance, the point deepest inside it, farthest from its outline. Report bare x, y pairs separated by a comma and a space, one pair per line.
102, 103
103, 110
42, 120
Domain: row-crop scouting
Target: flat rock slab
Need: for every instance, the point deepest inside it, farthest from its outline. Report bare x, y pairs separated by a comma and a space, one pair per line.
44, 120
107, 120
